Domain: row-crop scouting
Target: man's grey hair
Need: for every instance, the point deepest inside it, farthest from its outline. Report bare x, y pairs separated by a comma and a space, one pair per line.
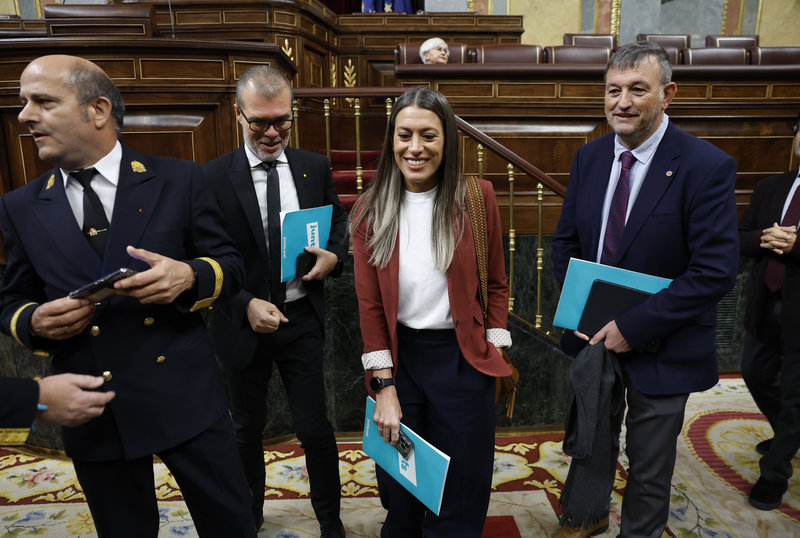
88, 84
431, 44
631, 55
264, 80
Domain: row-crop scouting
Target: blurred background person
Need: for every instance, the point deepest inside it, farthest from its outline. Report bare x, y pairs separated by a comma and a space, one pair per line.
434, 51
771, 354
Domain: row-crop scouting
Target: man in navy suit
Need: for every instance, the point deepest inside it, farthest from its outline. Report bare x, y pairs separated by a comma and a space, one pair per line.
771, 355
66, 399
268, 323
678, 222
148, 340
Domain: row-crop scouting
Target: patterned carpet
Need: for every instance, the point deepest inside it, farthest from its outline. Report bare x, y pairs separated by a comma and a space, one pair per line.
716, 465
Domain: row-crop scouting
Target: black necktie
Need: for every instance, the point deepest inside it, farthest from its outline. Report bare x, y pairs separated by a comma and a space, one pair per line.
615, 224
277, 289
95, 223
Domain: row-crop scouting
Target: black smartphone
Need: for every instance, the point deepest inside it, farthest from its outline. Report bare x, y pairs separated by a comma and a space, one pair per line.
404, 446
305, 262
102, 288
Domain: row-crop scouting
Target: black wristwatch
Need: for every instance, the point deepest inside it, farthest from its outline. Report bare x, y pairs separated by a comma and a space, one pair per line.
376, 384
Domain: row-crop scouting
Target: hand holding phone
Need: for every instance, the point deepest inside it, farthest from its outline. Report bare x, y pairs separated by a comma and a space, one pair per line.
102, 288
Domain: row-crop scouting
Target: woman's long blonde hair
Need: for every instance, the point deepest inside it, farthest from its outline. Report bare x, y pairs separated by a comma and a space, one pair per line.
380, 203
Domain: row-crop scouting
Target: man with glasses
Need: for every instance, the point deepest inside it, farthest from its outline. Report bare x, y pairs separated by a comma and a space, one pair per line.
268, 322
771, 355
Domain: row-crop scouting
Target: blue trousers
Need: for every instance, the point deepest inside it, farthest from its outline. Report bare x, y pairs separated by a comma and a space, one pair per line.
451, 405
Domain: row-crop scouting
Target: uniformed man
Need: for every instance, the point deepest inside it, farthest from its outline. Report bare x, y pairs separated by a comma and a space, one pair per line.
103, 207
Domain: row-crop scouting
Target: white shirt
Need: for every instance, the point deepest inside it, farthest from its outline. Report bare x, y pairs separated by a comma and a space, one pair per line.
104, 183
423, 302
644, 157
289, 202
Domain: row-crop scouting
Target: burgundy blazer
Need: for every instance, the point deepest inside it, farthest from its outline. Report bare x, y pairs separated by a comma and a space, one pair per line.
377, 291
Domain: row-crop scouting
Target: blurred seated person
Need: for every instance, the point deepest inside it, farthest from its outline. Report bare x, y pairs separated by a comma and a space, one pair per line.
434, 51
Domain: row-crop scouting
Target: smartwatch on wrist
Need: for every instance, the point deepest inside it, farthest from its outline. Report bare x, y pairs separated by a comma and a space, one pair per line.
376, 384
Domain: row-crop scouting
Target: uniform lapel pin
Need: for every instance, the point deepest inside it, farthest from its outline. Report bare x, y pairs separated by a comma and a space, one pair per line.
136, 166
669, 173
50, 181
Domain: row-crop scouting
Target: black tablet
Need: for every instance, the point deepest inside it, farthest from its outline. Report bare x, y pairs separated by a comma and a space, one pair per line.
605, 302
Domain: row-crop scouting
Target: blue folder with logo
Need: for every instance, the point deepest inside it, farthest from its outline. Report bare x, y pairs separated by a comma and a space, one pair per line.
423, 473
299, 229
581, 274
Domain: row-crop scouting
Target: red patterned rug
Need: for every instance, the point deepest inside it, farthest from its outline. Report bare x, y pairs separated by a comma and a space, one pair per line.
716, 466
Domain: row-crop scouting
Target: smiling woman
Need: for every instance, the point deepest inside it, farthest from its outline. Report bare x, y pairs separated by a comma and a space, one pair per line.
429, 359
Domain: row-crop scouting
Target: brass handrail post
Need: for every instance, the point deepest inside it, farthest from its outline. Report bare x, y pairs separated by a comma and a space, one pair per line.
357, 113
326, 104
539, 256
511, 237
295, 114
480, 161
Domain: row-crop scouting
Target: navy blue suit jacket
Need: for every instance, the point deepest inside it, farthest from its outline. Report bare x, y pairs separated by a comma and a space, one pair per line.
167, 384
766, 206
230, 179
17, 409
682, 226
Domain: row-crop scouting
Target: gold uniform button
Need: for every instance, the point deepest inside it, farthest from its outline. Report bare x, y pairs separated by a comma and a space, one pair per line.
161, 359
107, 375
148, 322
95, 330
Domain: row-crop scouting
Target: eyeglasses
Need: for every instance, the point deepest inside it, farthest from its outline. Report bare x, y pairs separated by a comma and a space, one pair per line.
795, 128
262, 126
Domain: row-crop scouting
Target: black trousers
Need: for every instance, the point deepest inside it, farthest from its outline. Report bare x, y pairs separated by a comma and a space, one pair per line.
297, 350
771, 371
121, 493
451, 405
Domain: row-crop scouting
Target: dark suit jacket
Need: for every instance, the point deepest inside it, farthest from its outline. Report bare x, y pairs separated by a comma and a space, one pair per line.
764, 210
159, 357
378, 294
232, 183
17, 409
682, 226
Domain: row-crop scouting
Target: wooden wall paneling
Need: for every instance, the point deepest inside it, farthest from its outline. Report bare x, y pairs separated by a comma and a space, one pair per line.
178, 94
315, 67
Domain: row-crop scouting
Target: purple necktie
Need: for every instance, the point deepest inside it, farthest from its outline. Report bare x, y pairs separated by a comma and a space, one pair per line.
615, 224
776, 267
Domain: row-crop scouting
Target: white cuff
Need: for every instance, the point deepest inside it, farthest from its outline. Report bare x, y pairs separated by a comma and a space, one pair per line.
499, 337
376, 360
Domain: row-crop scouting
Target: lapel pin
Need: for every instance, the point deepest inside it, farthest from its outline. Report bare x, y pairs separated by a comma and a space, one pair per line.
305, 176
669, 173
136, 166
50, 181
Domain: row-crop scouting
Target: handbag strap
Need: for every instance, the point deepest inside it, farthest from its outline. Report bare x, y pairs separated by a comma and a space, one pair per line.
477, 217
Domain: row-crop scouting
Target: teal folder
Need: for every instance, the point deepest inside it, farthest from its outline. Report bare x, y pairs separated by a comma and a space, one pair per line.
424, 472
299, 229
581, 274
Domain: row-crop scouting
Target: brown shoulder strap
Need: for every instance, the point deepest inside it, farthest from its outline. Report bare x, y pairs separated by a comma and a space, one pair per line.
477, 217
